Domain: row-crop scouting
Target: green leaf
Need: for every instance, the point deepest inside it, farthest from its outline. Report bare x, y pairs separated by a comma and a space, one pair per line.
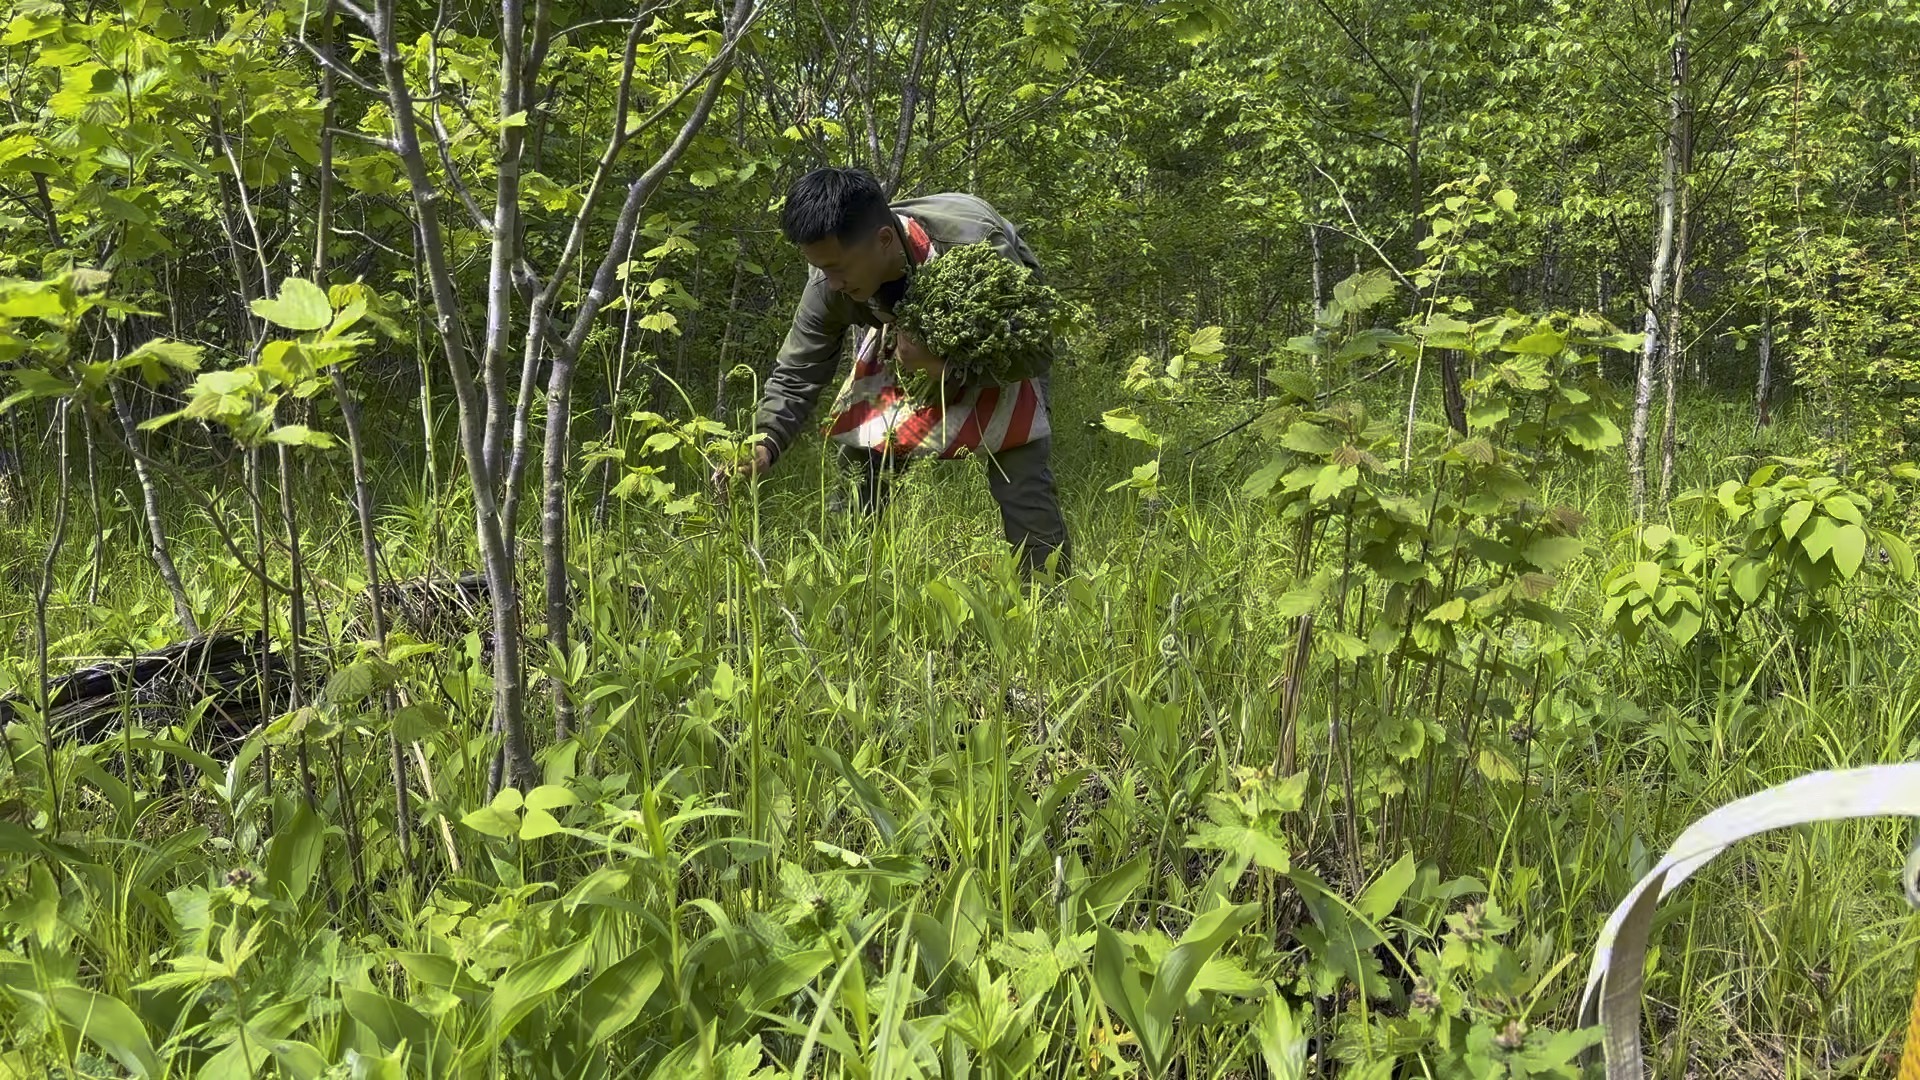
1334, 480
1362, 291
536, 823
1127, 422
1206, 341
301, 435
1841, 508
1683, 623
526, 987
1749, 578
615, 997
1647, 576
1818, 538
1899, 555
111, 1025
1795, 517
392, 1022
662, 321
1283, 1044
1539, 343
301, 305
1266, 849
704, 178
357, 682
293, 855
493, 821
1384, 894
1306, 438
1553, 552
1486, 412
551, 797
1205, 937
1506, 200
1849, 547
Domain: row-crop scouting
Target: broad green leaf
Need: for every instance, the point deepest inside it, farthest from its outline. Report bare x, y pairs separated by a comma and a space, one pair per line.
293, 855
526, 987
1841, 508
1899, 555
1818, 538
1553, 552
536, 823
297, 1060
357, 682
109, 1024
393, 1022
1849, 548
1794, 518
1308, 438
1647, 576
493, 821
1118, 979
1506, 200
1206, 341
1128, 423
1362, 291
301, 435
1266, 850
551, 797
1486, 412
615, 997
1334, 480
1542, 342
1749, 578
1683, 623
301, 305
1381, 897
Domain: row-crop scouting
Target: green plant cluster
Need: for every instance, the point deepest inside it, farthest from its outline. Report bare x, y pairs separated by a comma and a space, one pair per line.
989, 318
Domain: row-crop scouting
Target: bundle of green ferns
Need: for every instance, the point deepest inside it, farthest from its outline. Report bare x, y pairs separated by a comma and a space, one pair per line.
988, 317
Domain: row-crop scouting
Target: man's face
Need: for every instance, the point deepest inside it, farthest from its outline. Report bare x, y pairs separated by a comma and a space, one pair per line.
858, 268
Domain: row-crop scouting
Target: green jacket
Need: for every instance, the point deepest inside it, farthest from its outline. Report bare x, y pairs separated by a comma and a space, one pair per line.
810, 359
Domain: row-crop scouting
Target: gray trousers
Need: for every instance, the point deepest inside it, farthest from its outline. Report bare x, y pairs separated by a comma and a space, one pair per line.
1019, 479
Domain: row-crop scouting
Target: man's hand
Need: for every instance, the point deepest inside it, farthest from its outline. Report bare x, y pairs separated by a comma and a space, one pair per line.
915, 357
758, 463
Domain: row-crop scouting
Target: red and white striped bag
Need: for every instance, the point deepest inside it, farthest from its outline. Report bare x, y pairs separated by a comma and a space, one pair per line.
873, 412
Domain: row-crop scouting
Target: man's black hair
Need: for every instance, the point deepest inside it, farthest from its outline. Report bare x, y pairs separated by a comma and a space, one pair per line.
844, 203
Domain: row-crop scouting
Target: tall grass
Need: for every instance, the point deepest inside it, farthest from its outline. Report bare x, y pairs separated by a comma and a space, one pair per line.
854, 799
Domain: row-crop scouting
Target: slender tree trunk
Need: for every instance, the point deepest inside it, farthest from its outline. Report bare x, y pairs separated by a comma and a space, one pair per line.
508, 685
1675, 348
42, 595
557, 456
1663, 248
909, 101
1763, 391
158, 545
1319, 273
356, 449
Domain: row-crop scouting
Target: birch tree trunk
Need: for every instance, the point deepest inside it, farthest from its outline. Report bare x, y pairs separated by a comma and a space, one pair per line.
1675, 347
1663, 245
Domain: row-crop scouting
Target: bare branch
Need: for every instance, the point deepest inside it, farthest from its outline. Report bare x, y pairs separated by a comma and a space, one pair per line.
1360, 233
340, 70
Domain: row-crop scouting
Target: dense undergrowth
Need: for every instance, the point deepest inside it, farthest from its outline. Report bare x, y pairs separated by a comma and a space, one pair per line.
855, 800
